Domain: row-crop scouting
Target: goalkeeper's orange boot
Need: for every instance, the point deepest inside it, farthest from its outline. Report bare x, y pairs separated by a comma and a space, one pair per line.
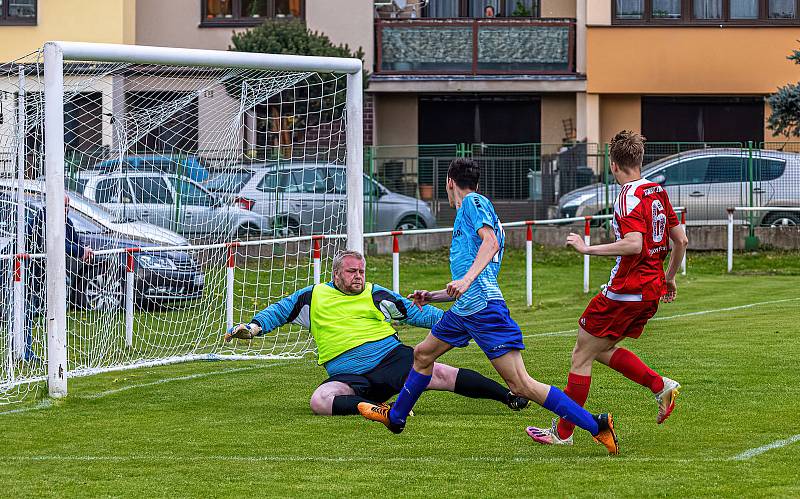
606, 436
379, 413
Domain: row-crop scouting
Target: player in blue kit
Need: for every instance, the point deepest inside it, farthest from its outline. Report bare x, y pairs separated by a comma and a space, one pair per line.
480, 314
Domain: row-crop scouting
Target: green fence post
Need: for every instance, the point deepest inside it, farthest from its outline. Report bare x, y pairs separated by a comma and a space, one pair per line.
606, 170
751, 243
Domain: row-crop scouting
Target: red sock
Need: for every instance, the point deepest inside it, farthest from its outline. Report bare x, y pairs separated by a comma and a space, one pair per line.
578, 390
629, 365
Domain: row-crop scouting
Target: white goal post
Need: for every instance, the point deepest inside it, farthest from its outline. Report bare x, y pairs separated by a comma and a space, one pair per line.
57, 54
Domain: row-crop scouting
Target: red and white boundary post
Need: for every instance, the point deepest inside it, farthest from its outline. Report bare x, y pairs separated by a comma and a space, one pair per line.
317, 256
129, 267
683, 224
396, 261
529, 264
229, 270
587, 238
19, 307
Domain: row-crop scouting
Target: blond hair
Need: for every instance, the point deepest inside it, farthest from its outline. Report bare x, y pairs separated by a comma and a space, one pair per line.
627, 149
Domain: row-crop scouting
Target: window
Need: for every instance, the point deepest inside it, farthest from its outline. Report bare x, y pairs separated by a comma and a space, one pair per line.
310, 181
744, 9
705, 11
249, 12
477, 8
736, 169
630, 9
112, 190
666, 9
692, 171
727, 169
768, 169
190, 194
782, 9
151, 190
18, 12
274, 182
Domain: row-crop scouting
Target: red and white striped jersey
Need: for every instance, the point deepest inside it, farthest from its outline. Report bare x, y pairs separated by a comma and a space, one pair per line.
642, 206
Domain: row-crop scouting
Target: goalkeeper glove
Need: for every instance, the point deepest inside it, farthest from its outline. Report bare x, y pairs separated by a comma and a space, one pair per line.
242, 332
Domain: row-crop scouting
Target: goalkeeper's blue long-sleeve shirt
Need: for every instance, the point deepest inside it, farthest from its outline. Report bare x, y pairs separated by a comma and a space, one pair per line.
296, 309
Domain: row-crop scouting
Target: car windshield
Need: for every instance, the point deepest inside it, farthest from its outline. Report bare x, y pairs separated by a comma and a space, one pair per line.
93, 210
85, 225
227, 181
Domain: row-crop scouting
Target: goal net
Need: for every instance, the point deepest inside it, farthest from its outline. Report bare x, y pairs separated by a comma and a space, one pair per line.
198, 185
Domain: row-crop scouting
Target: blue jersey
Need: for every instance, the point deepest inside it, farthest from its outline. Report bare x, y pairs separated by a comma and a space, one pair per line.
475, 212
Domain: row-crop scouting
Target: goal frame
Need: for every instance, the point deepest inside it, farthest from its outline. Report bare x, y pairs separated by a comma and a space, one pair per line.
56, 52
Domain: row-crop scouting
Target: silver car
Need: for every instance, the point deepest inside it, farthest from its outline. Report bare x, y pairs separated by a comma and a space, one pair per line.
302, 198
707, 182
170, 201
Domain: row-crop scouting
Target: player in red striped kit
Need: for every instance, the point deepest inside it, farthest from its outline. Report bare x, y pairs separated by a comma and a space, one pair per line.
644, 223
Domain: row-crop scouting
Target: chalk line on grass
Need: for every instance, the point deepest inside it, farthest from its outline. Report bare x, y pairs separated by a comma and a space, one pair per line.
568, 332
764, 448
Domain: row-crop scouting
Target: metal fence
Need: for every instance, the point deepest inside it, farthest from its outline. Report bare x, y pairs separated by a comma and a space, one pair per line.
527, 181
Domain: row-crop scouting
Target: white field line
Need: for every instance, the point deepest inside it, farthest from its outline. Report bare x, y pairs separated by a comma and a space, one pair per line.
568, 332
356, 459
44, 404
764, 448
170, 380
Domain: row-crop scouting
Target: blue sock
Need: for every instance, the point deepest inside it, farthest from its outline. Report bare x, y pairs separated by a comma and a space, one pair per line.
416, 383
564, 407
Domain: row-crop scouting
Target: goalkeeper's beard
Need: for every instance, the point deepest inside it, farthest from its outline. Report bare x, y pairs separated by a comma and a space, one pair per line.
354, 288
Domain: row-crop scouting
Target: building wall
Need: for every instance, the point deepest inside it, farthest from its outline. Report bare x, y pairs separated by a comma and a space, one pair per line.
397, 122
95, 21
176, 23
344, 21
558, 8
555, 109
619, 112
690, 60
598, 12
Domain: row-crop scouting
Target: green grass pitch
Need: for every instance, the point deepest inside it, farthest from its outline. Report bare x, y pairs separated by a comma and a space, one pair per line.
218, 429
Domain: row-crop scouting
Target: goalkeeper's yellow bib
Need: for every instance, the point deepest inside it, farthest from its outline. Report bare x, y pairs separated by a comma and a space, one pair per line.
340, 322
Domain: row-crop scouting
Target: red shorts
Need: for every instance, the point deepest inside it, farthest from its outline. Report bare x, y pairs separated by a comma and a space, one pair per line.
605, 317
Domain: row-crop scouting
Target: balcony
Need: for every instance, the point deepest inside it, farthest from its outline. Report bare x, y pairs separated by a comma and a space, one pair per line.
475, 46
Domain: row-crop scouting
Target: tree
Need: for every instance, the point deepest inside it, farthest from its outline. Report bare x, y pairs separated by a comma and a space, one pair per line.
317, 101
785, 104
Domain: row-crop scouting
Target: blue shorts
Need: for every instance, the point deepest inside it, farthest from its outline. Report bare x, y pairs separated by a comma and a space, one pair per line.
492, 328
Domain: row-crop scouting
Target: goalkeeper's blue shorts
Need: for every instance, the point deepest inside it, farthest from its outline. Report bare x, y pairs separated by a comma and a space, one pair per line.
492, 328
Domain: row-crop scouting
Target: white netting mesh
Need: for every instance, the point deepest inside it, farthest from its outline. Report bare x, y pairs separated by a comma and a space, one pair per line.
176, 163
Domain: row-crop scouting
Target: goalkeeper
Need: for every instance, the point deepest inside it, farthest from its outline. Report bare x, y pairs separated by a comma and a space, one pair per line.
366, 362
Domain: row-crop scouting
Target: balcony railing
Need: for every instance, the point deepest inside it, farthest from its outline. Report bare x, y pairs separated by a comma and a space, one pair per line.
475, 46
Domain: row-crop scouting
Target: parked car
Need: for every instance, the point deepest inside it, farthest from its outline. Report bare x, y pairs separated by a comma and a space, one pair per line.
159, 278
707, 182
170, 201
129, 227
181, 165
311, 198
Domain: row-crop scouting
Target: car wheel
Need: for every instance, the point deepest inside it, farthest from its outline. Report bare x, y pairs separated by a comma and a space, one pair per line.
782, 219
288, 227
247, 232
411, 223
103, 291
